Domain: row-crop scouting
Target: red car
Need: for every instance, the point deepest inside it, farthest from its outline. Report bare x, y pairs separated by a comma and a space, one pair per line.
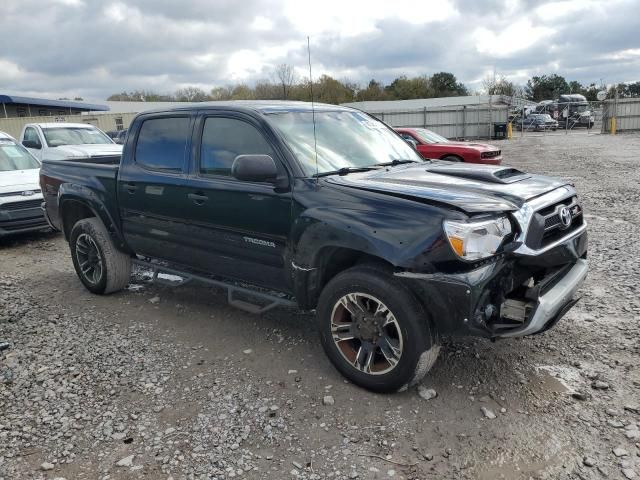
432, 145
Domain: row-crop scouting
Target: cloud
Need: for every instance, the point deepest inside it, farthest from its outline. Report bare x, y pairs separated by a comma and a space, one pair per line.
95, 48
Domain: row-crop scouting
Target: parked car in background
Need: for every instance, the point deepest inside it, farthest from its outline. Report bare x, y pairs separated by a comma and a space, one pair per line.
570, 110
120, 136
330, 208
59, 141
431, 145
535, 121
20, 195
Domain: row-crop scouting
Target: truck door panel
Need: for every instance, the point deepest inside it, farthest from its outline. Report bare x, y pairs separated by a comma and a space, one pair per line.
152, 187
238, 229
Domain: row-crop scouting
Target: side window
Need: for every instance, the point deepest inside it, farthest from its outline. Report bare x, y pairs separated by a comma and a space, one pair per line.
30, 135
162, 143
223, 139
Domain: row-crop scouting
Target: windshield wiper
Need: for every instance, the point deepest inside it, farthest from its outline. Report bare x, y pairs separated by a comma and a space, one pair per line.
346, 170
397, 161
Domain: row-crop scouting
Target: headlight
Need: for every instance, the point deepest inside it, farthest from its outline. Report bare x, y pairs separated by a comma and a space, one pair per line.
477, 239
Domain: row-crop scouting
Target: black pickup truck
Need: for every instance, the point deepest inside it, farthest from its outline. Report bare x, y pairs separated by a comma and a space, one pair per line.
329, 208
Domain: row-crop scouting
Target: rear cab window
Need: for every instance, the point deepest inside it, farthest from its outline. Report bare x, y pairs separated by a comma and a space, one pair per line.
162, 143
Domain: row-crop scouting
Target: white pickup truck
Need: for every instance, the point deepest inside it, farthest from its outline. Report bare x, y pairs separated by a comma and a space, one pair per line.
66, 141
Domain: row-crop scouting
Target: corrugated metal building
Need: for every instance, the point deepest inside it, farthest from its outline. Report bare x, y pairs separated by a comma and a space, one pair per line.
19, 106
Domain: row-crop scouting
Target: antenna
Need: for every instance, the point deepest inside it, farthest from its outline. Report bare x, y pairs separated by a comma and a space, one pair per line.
313, 109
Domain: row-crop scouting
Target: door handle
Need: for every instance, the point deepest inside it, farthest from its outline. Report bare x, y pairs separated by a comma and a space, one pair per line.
198, 198
131, 187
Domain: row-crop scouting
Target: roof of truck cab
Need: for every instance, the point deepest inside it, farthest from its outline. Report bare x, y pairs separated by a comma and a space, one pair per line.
262, 106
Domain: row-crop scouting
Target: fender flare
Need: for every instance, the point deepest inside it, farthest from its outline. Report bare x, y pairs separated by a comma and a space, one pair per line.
69, 192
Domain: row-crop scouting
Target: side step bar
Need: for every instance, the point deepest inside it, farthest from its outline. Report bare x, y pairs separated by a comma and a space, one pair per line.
272, 300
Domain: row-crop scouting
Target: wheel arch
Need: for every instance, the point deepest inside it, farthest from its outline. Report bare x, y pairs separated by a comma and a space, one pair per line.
77, 202
446, 155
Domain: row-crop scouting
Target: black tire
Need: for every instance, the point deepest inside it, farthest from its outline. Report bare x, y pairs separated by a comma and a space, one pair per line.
452, 158
114, 268
419, 345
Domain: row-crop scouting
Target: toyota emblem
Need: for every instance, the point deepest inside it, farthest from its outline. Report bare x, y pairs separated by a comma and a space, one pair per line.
565, 217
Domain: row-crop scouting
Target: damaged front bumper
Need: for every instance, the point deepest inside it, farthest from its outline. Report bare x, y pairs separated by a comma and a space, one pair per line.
512, 296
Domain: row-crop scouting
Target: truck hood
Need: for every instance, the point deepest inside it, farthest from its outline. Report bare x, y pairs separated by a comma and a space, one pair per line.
71, 151
19, 180
467, 187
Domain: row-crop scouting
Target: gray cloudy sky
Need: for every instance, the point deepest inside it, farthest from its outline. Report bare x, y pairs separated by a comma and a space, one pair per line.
93, 48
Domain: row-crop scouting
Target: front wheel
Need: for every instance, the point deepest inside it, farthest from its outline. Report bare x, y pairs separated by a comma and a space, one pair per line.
374, 331
452, 158
101, 267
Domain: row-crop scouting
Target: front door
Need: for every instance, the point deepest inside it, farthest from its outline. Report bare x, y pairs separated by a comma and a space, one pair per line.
238, 229
152, 187
33, 138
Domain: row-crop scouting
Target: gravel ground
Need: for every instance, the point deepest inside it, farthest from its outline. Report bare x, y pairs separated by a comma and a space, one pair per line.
159, 382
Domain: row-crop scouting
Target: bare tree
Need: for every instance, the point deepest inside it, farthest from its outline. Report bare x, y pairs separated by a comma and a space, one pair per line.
286, 78
191, 94
499, 86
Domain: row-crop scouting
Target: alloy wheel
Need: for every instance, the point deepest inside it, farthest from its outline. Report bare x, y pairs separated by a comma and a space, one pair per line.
89, 258
366, 333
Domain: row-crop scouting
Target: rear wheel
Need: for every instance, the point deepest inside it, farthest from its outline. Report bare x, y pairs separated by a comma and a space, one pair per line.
374, 331
452, 158
100, 266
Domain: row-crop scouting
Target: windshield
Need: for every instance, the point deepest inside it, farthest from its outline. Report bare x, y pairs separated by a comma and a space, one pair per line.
74, 136
15, 157
428, 136
581, 108
344, 139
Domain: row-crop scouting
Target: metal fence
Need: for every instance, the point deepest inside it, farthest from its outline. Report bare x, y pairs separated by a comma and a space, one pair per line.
475, 121
104, 121
626, 112
527, 119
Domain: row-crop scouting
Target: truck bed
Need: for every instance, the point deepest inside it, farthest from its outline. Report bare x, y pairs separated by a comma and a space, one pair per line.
101, 160
98, 174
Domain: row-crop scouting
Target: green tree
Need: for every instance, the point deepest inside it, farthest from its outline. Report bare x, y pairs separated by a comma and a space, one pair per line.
546, 87
373, 91
329, 90
445, 84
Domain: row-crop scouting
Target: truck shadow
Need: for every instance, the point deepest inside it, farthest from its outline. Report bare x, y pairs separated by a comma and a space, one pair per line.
21, 239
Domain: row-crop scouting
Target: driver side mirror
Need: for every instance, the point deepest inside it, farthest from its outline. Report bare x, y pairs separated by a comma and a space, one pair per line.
254, 168
31, 144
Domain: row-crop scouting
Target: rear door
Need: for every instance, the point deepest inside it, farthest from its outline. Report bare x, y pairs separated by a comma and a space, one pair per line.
239, 229
152, 186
